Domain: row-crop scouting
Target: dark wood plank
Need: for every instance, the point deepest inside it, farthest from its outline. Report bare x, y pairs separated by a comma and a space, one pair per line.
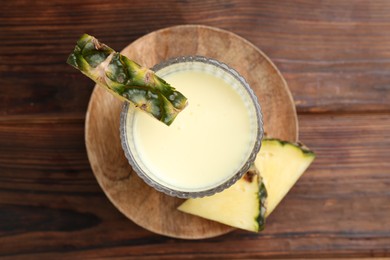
51, 205
335, 55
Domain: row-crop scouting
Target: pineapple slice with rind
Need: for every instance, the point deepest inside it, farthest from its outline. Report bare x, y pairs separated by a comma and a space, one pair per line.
242, 205
281, 164
246, 205
126, 79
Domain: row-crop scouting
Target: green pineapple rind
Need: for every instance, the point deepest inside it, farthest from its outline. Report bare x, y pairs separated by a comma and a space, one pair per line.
262, 198
263, 206
126, 78
305, 150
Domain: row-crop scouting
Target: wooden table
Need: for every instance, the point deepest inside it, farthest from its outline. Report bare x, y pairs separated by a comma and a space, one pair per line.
335, 56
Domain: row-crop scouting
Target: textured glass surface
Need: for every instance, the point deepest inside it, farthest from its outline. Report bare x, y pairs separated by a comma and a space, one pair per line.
222, 71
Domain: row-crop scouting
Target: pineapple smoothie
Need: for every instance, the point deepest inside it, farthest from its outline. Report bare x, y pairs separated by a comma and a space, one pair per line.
208, 143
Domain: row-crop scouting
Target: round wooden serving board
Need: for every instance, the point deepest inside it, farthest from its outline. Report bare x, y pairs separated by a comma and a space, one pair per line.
136, 200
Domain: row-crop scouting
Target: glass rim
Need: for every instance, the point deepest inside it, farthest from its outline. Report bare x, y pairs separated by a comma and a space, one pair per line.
234, 178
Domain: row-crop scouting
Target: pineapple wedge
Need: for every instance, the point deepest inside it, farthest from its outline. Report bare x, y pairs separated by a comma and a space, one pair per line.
281, 164
245, 205
242, 205
126, 79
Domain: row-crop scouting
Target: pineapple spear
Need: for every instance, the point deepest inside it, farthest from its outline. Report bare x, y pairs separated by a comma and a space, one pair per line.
126, 79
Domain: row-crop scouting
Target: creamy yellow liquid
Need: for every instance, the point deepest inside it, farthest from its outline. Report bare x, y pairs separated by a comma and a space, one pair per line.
208, 142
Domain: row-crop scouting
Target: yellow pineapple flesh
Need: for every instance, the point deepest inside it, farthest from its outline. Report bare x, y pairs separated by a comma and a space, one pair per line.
238, 206
245, 205
281, 164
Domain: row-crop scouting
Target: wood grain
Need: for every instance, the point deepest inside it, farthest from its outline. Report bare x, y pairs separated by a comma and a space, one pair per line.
335, 58
139, 202
336, 209
325, 50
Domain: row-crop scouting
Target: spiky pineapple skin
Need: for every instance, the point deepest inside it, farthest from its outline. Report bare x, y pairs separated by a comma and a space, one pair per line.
127, 79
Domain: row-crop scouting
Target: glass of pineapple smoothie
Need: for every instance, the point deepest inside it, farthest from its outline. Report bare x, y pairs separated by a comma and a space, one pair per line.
210, 144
